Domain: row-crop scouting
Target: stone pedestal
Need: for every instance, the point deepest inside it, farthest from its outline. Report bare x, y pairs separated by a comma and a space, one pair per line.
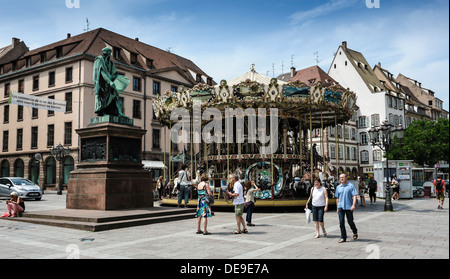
110, 174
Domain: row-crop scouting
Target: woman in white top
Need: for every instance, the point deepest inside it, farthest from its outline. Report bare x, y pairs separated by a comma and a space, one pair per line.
319, 198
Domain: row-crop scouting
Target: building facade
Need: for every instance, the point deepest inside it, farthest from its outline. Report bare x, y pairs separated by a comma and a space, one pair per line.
63, 71
352, 71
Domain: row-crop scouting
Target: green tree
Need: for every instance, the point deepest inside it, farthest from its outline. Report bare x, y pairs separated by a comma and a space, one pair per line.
425, 142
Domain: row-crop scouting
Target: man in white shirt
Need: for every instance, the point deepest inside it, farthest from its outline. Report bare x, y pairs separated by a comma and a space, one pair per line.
238, 201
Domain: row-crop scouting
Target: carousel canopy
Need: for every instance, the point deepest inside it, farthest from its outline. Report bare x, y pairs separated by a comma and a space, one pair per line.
319, 104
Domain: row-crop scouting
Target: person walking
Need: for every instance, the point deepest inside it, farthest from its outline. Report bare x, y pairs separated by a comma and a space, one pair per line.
184, 186
159, 187
440, 191
396, 187
203, 209
319, 201
346, 199
250, 188
238, 201
362, 191
373, 188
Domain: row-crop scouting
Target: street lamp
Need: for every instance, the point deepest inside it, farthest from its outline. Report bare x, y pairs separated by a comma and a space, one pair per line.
383, 137
60, 152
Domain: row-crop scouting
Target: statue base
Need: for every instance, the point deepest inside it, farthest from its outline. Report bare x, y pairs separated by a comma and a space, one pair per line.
110, 174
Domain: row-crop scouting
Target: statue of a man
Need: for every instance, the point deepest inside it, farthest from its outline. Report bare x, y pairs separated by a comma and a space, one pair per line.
108, 85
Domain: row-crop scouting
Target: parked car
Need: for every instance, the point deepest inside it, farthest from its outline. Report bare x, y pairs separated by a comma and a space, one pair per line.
24, 187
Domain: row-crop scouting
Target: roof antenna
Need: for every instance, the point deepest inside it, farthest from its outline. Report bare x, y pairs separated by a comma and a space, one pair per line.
292, 61
87, 25
316, 54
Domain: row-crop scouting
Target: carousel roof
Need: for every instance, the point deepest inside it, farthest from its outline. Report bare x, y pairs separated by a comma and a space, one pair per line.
325, 104
253, 76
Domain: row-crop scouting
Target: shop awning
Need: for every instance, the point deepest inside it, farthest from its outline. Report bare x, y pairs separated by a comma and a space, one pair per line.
153, 165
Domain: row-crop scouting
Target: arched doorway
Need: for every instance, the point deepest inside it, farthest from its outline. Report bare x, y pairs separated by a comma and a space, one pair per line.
34, 171
19, 168
50, 171
4, 168
69, 165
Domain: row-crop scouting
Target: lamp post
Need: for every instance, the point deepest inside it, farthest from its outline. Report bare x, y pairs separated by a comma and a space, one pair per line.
383, 137
60, 152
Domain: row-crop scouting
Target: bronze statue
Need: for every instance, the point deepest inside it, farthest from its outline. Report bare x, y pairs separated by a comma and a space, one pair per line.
108, 85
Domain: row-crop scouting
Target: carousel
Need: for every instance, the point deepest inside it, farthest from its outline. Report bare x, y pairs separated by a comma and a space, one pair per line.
282, 164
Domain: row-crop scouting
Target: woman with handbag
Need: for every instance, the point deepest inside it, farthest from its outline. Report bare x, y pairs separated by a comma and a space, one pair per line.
319, 201
250, 200
203, 208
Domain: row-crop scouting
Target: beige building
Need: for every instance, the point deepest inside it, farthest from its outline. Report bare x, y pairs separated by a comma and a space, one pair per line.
434, 105
63, 71
402, 97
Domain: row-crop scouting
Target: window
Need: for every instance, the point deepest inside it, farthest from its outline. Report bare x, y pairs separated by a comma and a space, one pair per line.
34, 113
5, 140
136, 84
362, 122
156, 88
51, 112
364, 157
50, 135
7, 90
34, 137
377, 155
389, 101
341, 150
51, 79
353, 134
375, 120
174, 88
347, 152
68, 133
156, 138
150, 63
122, 101
6, 114
21, 86
19, 139
364, 138
59, 52
35, 83
332, 152
69, 74
136, 109
133, 58
69, 102
43, 57
354, 153
19, 113
116, 52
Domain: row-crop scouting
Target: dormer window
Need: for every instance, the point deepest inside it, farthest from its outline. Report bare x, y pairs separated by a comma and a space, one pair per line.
150, 63
59, 52
133, 58
116, 52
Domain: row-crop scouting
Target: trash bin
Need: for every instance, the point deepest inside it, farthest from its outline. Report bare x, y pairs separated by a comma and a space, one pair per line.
427, 191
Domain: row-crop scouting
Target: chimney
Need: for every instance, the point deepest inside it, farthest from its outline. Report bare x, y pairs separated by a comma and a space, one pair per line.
344, 45
15, 42
137, 39
292, 72
68, 35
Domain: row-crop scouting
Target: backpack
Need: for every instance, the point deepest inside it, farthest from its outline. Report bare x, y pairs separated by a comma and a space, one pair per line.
438, 184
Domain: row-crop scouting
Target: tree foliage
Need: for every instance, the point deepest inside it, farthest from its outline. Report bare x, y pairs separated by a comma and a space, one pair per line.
425, 142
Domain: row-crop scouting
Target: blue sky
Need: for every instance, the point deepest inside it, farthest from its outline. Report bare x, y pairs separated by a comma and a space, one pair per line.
225, 37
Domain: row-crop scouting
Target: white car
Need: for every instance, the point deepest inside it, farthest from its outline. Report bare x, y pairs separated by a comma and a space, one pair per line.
25, 188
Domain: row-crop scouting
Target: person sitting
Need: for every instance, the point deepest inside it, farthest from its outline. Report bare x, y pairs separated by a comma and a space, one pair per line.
15, 205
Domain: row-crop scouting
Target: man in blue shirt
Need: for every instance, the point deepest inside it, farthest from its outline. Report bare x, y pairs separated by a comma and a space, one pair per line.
346, 200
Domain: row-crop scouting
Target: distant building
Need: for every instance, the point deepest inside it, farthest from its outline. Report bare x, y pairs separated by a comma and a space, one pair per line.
414, 109
434, 105
63, 71
352, 71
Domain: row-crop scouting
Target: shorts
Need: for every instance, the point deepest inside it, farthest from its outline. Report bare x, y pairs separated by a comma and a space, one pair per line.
318, 212
239, 209
440, 196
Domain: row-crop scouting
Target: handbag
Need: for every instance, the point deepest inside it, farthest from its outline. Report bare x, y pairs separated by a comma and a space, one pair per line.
308, 215
209, 199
